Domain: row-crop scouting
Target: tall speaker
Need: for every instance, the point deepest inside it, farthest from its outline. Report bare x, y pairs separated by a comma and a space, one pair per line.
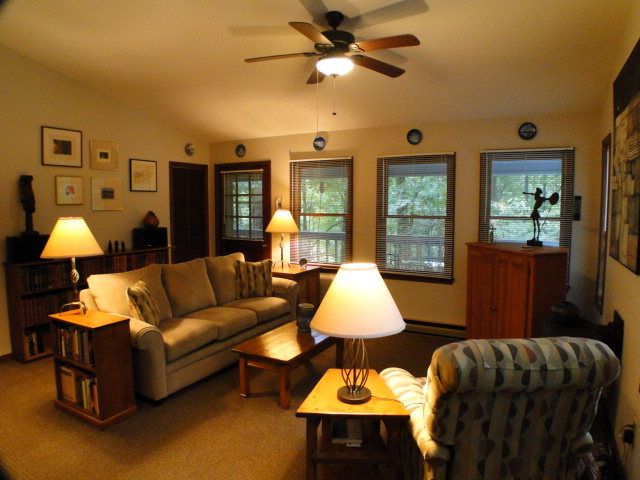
149, 237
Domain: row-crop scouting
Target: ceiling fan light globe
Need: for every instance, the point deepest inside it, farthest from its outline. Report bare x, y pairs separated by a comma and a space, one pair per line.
334, 66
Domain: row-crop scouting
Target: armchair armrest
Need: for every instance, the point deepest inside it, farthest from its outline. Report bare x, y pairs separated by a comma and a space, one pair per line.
287, 289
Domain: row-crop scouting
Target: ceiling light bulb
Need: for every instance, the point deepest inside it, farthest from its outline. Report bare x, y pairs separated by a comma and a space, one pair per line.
334, 65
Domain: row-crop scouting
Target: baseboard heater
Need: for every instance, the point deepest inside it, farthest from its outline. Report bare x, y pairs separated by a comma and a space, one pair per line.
439, 329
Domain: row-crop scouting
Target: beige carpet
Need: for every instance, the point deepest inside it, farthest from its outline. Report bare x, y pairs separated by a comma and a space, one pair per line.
205, 431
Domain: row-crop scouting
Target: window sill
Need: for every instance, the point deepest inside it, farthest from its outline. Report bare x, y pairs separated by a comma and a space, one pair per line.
416, 278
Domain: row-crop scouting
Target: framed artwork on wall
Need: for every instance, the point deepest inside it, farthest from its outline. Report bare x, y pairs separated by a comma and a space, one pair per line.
69, 190
143, 175
106, 193
104, 155
61, 147
625, 166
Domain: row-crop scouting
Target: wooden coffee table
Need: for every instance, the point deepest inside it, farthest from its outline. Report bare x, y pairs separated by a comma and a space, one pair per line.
282, 350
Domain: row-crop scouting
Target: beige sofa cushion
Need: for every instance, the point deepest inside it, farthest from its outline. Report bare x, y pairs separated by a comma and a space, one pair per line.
222, 275
265, 308
110, 290
229, 321
188, 287
184, 335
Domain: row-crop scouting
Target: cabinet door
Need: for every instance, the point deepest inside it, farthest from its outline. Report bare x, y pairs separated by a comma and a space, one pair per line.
512, 296
480, 295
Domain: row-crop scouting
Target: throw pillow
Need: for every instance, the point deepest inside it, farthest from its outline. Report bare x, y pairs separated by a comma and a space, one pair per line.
142, 304
253, 279
187, 286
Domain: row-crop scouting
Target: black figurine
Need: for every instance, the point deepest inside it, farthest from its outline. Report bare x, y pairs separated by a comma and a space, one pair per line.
110, 247
535, 215
116, 246
28, 201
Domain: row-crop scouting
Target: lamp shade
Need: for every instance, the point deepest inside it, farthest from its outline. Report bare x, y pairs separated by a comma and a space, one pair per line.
282, 222
334, 65
71, 237
358, 304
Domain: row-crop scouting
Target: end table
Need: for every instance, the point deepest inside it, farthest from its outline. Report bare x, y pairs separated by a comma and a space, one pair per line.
323, 407
308, 279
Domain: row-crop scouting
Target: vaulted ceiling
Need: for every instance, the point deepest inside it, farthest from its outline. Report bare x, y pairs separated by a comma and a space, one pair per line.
182, 61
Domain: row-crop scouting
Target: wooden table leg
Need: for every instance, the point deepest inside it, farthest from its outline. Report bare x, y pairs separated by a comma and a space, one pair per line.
393, 447
312, 446
245, 382
284, 400
339, 352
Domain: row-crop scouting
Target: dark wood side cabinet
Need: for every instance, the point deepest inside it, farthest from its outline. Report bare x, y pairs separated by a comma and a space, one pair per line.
510, 289
308, 280
93, 366
36, 289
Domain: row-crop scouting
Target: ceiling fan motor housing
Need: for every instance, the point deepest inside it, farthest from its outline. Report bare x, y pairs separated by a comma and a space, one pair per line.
340, 40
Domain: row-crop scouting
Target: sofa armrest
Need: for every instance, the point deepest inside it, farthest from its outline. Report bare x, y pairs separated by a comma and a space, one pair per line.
287, 289
87, 298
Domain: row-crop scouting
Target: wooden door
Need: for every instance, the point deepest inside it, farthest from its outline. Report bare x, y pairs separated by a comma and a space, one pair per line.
243, 209
189, 203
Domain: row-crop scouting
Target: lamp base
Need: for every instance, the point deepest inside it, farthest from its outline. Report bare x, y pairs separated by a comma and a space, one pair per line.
354, 398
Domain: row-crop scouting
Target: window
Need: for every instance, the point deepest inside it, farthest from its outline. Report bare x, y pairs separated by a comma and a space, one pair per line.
321, 204
243, 204
415, 214
505, 176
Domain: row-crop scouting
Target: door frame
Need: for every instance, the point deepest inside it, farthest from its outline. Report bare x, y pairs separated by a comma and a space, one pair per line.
265, 165
191, 166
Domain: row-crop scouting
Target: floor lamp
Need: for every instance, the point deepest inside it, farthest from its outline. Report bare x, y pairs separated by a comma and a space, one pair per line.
357, 305
282, 222
71, 238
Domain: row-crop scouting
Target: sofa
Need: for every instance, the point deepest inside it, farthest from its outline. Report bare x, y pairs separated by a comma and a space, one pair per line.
199, 315
503, 409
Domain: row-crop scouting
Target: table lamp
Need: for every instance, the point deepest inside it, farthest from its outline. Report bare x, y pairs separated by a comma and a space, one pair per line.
357, 305
71, 238
282, 222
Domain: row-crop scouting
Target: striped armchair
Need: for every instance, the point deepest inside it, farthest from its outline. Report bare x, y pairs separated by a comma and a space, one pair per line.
503, 409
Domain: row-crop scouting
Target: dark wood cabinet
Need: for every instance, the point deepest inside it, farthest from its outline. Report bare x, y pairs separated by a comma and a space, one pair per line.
510, 289
93, 366
36, 289
308, 281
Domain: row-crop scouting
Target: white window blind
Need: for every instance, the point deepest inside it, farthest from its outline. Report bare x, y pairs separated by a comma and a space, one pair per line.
504, 177
321, 194
415, 215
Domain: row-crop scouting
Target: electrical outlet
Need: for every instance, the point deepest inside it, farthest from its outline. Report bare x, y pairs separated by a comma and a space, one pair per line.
629, 433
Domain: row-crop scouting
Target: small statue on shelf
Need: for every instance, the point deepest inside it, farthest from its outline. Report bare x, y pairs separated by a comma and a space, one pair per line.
535, 214
28, 201
116, 246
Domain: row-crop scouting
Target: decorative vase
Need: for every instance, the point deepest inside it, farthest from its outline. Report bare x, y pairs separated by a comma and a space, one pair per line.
305, 314
150, 220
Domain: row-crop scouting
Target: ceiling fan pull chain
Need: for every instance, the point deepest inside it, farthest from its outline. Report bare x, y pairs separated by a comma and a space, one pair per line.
334, 95
317, 103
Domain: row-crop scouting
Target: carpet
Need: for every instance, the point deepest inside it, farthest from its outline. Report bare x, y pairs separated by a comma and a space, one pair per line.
206, 431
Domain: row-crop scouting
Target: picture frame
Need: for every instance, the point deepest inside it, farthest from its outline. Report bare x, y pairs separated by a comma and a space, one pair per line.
69, 190
143, 175
61, 147
104, 155
106, 193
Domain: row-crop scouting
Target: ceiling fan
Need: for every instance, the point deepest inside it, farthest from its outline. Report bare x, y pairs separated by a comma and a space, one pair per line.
339, 51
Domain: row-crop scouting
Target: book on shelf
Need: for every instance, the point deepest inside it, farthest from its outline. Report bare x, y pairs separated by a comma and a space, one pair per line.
74, 343
79, 388
346, 432
34, 342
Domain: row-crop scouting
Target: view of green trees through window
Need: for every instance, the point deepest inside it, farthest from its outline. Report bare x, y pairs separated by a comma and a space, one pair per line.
510, 208
415, 215
321, 206
243, 205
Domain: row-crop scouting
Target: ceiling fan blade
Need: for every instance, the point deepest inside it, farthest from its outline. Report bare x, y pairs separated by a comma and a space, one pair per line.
396, 11
315, 77
277, 57
396, 41
311, 32
376, 65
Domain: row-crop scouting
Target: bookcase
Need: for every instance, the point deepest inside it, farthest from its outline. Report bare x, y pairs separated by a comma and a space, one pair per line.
93, 366
36, 289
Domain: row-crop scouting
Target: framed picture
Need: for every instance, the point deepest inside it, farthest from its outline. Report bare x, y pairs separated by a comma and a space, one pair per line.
106, 193
624, 244
143, 175
104, 155
69, 190
61, 147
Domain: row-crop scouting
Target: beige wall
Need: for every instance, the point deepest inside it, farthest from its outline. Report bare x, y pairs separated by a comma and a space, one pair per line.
621, 292
431, 302
32, 96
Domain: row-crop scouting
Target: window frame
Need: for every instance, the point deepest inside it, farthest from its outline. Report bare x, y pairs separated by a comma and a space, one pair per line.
296, 168
567, 157
382, 194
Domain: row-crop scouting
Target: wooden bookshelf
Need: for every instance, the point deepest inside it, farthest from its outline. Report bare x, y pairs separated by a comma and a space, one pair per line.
93, 366
36, 289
